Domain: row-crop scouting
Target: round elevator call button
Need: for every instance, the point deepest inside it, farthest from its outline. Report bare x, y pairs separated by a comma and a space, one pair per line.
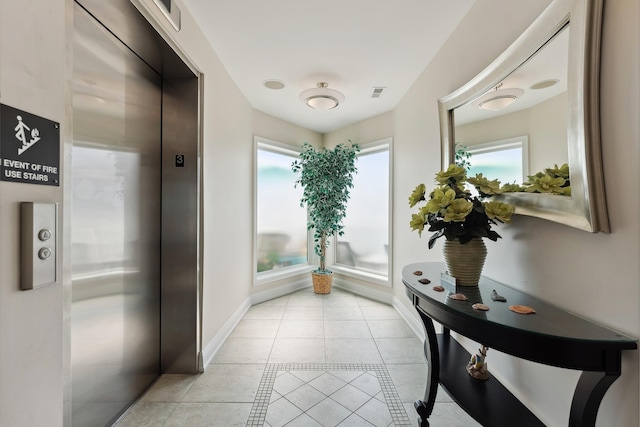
44, 253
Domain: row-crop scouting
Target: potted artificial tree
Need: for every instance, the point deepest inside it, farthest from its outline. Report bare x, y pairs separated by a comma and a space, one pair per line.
326, 177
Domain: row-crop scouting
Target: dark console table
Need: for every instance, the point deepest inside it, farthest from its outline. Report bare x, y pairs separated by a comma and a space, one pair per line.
550, 336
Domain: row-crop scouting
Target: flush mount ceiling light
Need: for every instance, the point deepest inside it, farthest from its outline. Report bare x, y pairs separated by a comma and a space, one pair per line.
497, 98
322, 98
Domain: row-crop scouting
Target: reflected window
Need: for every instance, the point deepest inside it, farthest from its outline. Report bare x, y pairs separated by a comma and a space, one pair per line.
504, 160
281, 224
364, 246
107, 236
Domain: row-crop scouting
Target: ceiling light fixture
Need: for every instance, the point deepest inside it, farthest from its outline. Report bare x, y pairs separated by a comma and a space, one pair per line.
497, 99
321, 97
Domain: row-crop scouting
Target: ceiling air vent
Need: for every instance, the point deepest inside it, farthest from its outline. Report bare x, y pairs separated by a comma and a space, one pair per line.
377, 91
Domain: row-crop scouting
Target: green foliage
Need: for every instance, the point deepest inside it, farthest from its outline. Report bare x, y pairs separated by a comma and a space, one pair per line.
512, 188
269, 261
462, 156
452, 211
326, 177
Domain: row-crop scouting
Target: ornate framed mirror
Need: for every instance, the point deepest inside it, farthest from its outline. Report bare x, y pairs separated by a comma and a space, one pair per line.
555, 63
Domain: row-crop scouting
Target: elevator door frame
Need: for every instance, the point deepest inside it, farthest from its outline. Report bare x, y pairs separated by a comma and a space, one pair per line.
181, 223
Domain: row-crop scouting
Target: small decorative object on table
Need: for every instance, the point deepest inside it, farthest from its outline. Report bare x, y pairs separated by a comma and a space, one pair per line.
522, 309
480, 306
458, 297
462, 217
477, 366
496, 297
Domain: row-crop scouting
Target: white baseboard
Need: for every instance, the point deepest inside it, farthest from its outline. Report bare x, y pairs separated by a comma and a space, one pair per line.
218, 340
212, 347
344, 282
408, 316
282, 290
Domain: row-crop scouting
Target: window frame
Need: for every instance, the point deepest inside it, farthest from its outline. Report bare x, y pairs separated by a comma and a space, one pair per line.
370, 276
265, 277
521, 142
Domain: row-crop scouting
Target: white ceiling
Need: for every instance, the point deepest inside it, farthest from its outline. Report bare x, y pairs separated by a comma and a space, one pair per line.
353, 45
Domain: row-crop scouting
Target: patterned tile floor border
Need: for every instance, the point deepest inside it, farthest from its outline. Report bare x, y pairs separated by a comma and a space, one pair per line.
263, 396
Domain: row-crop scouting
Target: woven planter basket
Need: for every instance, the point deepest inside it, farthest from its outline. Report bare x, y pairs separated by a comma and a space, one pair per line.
321, 283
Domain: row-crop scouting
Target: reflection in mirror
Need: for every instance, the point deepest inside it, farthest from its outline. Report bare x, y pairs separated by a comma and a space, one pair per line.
506, 160
544, 88
539, 111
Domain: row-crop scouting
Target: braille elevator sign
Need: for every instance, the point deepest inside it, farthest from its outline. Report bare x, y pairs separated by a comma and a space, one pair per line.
29, 148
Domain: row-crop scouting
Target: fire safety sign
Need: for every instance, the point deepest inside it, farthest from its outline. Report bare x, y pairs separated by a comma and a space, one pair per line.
29, 148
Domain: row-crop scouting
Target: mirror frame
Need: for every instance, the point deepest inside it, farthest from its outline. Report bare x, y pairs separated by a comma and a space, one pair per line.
586, 208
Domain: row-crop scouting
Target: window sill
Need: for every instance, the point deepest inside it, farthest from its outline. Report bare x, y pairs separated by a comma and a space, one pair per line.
367, 276
267, 277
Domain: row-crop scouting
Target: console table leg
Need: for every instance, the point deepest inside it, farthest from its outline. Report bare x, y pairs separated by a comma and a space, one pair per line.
589, 392
425, 407
424, 413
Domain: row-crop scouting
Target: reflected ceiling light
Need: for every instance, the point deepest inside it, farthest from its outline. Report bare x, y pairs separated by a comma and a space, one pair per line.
322, 98
497, 99
545, 84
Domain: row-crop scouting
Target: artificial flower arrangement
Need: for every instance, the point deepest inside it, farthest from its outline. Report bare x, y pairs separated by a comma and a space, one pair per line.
553, 180
454, 212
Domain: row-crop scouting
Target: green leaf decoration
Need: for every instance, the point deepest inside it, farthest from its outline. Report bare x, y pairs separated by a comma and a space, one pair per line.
326, 176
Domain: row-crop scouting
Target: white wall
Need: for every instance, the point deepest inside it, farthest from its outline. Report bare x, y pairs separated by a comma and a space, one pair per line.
33, 72
370, 130
278, 130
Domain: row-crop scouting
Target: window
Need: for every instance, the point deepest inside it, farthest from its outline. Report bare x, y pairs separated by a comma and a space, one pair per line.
281, 224
505, 160
363, 249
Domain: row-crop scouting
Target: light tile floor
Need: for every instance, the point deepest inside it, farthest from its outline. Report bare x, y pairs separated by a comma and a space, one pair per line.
304, 360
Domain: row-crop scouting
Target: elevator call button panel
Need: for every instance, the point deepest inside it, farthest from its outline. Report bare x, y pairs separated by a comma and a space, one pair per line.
39, 244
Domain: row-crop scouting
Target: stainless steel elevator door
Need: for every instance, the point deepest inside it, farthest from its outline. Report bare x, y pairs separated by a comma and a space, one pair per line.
115, 227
